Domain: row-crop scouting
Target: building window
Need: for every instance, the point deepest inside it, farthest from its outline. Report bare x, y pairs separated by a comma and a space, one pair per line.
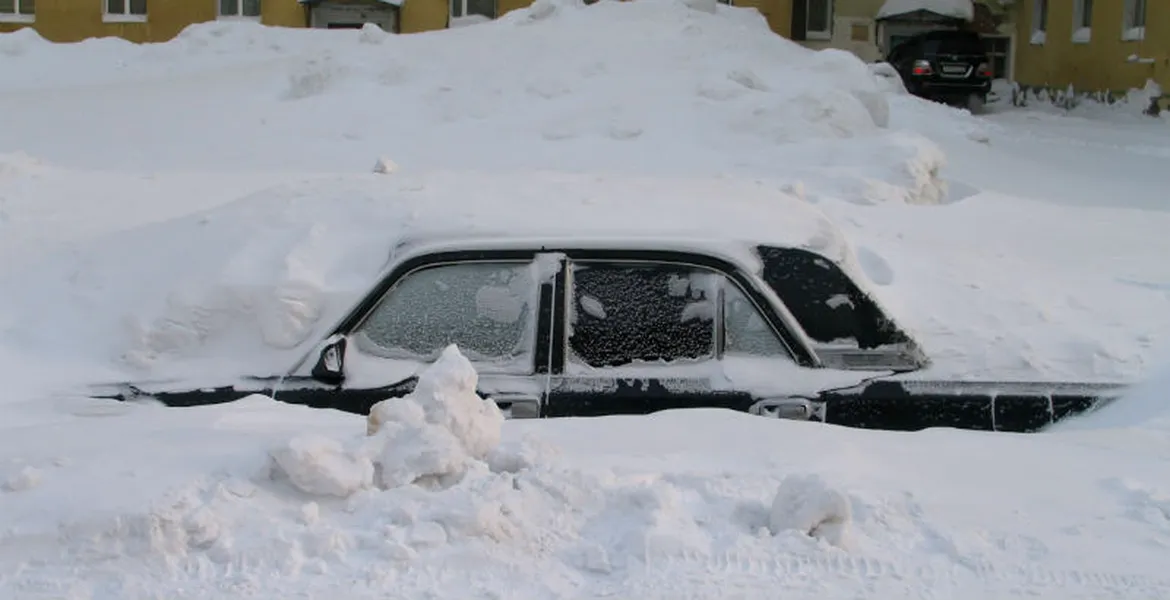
727, 2
17, 11
1134, 25
473, 10
125, 11
239, 8
1039, 21
999, 49
1082, 21
819, 19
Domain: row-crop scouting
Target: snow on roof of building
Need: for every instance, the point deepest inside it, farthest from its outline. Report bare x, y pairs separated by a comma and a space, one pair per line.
959, 9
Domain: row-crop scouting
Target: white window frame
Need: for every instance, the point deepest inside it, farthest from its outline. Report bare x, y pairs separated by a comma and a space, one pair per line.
126, 16
1082, 30
1133, 21
16, 16
464, 16
1039, 22
238, 15
810, 34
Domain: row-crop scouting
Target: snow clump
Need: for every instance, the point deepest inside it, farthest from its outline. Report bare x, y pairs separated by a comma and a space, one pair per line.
807, 504
431, 437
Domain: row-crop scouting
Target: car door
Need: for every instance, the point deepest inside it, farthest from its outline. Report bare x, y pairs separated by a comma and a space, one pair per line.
640, 333
493, 305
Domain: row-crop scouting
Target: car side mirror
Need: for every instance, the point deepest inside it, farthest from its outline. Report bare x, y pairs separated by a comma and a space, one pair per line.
330, 366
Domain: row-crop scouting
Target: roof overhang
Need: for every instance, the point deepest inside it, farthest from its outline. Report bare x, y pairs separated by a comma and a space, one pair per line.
394, 3
927, 10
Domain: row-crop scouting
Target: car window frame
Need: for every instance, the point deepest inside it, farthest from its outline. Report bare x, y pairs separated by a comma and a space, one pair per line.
348, 325
502, 367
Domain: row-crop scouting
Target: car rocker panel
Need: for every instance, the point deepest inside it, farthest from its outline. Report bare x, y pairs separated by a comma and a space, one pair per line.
563, 330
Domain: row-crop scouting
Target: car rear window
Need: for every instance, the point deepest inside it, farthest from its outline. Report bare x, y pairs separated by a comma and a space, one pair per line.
953, 43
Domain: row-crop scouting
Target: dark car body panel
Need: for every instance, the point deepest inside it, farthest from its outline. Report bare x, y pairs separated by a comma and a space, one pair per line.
803, 281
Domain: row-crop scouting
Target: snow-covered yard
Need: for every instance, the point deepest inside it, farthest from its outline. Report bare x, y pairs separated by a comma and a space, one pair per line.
174, 210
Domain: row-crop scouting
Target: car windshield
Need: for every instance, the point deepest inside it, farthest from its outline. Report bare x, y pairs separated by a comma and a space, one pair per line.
955, 42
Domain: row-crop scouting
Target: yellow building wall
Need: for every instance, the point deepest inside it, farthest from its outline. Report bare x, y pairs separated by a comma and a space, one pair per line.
1100, 64
75, 20
504, 7
778, 13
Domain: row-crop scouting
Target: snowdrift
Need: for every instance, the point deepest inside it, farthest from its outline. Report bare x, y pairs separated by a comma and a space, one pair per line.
667, 88
245, 288
446, 498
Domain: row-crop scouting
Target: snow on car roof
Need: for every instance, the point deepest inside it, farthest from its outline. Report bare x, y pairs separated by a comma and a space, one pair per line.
721, 215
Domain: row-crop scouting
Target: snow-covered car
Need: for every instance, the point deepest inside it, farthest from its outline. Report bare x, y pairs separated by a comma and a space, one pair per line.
570, 325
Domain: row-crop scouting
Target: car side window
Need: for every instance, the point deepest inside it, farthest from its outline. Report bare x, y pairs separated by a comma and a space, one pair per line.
827, 304
745, 332
487, 308
658, 312
622, 313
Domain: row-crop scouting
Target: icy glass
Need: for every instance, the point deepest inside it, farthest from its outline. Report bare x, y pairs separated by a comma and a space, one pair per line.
228, 8
626, 313
251, 8
485, 308
745, 331
456, 8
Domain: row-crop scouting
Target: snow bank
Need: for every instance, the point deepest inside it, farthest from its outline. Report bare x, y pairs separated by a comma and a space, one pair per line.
662, 506
1146, 405
514, 93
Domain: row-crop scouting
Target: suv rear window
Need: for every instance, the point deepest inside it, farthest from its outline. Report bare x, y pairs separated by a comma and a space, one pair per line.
952, 42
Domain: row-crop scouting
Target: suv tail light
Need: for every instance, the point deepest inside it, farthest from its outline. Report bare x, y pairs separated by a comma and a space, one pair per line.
984, 70
922, 67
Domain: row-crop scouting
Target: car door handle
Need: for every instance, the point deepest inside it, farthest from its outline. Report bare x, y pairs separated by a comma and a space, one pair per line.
800, 409
518, 406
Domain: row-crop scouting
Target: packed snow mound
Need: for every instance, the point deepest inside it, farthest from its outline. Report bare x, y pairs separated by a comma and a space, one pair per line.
263, 276
536, 77
430, 438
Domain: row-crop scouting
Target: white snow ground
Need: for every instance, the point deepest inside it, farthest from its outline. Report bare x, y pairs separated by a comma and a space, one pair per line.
141, 235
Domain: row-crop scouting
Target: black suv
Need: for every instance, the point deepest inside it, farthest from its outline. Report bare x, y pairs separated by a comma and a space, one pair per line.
949, 66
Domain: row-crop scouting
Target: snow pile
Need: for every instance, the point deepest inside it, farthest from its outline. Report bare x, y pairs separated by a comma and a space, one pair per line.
1145, 405
958, 9
805, 503
515, 93
429, 438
